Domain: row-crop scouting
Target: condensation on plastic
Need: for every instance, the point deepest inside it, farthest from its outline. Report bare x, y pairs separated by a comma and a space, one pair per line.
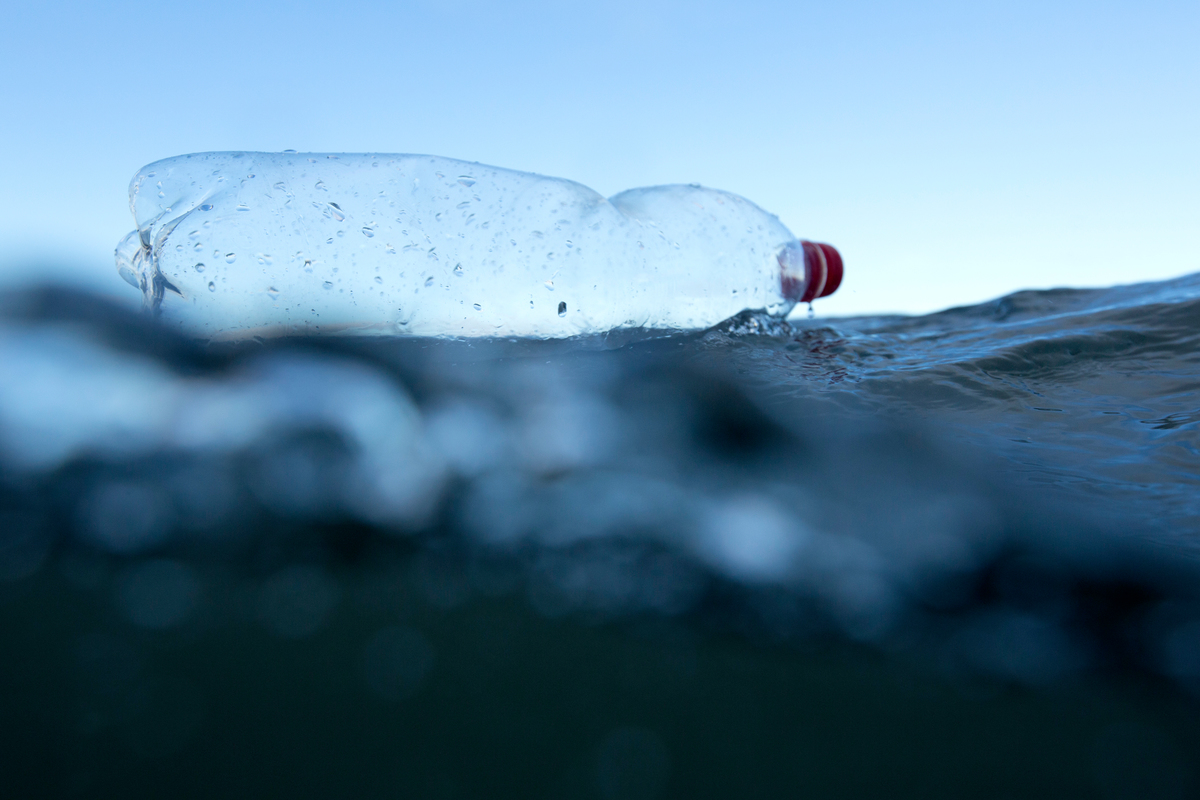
241, 244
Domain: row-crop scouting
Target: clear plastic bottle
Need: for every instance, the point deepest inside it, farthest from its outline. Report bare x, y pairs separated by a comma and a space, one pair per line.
241, 244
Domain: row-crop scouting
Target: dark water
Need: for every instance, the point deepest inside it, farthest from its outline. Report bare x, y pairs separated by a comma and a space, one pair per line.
943, 556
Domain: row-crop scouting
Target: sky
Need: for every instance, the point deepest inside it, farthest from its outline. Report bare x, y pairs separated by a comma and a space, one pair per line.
953, 152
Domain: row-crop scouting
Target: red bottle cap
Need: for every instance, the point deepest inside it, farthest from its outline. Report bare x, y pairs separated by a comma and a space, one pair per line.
823, 271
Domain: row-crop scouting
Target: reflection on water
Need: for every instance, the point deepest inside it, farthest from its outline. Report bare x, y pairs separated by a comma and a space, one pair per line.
743, 559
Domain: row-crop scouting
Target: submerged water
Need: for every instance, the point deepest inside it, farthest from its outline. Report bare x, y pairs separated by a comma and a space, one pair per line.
589, 566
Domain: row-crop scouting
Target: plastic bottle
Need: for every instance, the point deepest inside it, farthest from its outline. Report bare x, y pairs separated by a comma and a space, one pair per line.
242, 244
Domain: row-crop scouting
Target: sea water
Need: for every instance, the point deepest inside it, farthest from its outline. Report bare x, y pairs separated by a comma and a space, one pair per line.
961, 548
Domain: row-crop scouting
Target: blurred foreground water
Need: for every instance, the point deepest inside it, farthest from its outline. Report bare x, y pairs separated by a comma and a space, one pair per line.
945, 556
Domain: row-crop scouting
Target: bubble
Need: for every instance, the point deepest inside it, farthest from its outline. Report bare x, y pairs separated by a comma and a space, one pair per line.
158, 594
297, 601
126, 517
396, 662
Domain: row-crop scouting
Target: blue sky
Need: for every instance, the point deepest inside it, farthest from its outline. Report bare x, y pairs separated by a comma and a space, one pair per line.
952, 151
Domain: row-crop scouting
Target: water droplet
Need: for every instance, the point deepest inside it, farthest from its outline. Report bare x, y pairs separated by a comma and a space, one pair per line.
178, 248
367, 232
198, 247
212, 287
327, 285
458, 270
478, 307
194, 235
230, 258
329, 240
289, 151
273, 292
337, 212
279, 185
206, 207
308, 265
378, 279
319, 186
243, 207
562, 309
531, 304
466, 180
199, 267
429, 281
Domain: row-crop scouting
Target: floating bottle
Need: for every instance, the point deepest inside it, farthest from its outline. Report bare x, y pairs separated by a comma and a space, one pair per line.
230, 245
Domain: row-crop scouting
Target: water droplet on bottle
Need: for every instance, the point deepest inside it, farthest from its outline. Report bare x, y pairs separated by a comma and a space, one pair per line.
811, 313
230, 258
378, 279
327, 285
206, 207
243, 207
458, 270
478, 307
337, 212
367, 232
319, 186
429, 281
178, 248
198, 247
466, 180
562, 309
194, 235
199, 267
279, 185
212, 287
308, 265
289, 151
